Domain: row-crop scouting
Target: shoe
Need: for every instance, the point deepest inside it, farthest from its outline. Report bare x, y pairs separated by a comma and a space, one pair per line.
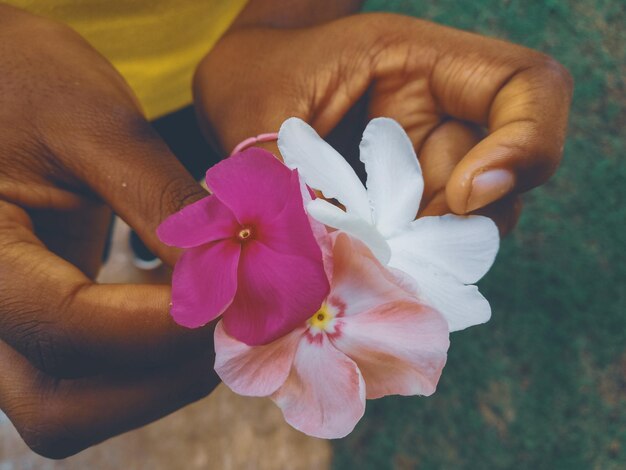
143, 258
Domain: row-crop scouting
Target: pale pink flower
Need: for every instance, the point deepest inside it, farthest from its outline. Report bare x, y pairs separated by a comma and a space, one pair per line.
370, 338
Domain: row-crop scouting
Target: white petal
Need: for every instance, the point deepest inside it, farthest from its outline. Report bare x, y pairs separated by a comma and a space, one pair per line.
324, 212
394, 177
462, 306
464, 246
322, 167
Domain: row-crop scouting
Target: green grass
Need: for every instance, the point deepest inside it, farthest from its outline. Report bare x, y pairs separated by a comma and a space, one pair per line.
543, 384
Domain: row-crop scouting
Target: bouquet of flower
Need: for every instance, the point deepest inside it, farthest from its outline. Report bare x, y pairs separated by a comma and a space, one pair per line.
326, 304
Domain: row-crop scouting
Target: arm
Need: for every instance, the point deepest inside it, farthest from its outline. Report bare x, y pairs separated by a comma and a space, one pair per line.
284, 14
81, 362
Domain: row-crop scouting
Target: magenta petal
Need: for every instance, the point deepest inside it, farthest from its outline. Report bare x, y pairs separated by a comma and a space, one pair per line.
204, 283
276, 293
289, 231
256, 371
252, 183
203, 221
294, 232
324, 396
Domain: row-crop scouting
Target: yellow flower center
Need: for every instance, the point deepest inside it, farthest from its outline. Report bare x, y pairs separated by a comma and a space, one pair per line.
322, 318
244, 234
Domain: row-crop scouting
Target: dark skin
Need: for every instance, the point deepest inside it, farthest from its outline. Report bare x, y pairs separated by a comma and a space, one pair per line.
82, 362
470, 104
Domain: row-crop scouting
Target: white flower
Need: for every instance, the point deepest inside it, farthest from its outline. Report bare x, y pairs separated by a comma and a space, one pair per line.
444, 255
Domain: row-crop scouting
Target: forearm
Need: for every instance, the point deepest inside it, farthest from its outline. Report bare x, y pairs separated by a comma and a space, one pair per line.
284, 14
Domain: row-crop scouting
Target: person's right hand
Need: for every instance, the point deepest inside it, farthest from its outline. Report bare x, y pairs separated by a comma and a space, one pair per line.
487, 118
81, 362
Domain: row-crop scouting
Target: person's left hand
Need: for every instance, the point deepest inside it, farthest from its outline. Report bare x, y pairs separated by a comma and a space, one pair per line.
487, 117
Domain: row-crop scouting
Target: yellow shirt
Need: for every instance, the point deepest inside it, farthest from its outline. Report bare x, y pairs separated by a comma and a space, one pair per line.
155, 44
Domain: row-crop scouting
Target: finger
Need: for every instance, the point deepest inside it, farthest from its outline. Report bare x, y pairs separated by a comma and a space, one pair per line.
442, 150
58, 418
120, 157
66, 325
439, 155
524, 103
520, 95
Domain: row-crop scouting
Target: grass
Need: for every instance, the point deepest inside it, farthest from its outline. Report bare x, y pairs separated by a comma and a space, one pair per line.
543, 384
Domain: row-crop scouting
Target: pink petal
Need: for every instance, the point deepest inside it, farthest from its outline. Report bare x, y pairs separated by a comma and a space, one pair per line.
276, 292
324, 395
204, 283
400, 348
320, 232
254, 370
326, 246
202, 222
359, 280
252, 183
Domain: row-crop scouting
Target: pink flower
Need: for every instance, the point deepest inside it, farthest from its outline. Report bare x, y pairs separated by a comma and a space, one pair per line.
369, 339
251, 252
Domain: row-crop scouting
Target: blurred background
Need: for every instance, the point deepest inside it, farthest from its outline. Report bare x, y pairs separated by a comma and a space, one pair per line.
543, 384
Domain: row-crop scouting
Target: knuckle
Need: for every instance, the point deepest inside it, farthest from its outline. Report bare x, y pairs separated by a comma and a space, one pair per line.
52, 352
178, 193
553, 71
40, 331
40, 417
49, 436
46, 345
48, 440
13, 215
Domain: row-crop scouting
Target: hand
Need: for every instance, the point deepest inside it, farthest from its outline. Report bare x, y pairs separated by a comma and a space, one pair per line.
487, 118
81, 362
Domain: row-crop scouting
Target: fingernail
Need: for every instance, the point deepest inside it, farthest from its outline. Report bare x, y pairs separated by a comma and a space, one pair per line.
488, 187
